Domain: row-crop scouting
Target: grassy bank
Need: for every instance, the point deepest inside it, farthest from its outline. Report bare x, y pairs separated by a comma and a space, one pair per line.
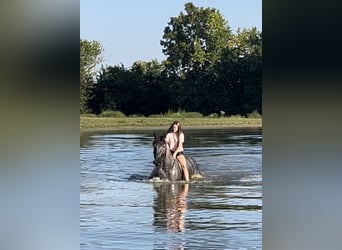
142, 122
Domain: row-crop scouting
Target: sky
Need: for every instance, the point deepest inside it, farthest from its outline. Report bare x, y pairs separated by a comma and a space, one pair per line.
131, 30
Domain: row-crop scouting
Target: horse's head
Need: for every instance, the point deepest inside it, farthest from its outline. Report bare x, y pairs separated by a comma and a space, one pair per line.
159, 149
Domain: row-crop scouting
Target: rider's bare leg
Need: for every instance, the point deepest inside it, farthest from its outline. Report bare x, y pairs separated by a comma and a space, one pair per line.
182, 161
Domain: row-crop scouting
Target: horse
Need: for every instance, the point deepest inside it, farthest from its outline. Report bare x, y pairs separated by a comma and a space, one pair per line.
168, 168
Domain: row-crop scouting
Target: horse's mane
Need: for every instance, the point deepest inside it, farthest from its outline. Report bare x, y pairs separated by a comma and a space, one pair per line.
158, 139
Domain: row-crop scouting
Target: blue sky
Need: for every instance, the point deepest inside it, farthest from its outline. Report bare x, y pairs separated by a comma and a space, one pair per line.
131, 30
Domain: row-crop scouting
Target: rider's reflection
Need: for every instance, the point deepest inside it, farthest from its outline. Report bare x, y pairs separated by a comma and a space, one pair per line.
170, 206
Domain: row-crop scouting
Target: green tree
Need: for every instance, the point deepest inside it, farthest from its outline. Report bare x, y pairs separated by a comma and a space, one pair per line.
193, 43
208, 69
111, 92
152, 87
91, 54
248, 89
239, 74
195, 39
139, 90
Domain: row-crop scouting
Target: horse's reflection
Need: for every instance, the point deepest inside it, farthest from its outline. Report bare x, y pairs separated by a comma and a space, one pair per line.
170, 206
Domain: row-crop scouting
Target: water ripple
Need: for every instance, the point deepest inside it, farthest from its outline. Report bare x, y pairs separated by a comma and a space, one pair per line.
120, 210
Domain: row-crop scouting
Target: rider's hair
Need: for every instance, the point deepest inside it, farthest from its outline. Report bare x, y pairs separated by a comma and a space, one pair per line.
179, 128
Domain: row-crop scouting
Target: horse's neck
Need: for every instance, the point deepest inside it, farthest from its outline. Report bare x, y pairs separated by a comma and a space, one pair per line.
169, 158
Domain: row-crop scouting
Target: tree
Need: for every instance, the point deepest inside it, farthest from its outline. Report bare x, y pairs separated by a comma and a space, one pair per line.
193, 43
239, 73
139, 90
151, 86
91, 54
195, 40
248, 91
208, 69
111, 91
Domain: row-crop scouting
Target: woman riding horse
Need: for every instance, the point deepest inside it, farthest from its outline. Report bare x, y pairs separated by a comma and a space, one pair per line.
167, 164
175, 140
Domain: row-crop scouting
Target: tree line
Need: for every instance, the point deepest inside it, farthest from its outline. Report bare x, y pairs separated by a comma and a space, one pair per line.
208, 69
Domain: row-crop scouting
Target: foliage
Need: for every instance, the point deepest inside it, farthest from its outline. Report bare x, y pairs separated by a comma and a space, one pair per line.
177, 114
139, 90
112, 114
88, 115
91, 54
255, 114
235, 117
156, 116
212, 115
209, 71
193, 115
193, 41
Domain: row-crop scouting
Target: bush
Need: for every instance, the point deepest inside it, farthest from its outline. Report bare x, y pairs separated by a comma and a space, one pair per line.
156, 116
236, 116
112, 114
88, 115
182, 114
212, 115
192, 115
254, 114
172, 114
136, 115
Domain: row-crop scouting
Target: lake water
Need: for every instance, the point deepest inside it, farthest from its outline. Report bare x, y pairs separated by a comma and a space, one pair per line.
119, 209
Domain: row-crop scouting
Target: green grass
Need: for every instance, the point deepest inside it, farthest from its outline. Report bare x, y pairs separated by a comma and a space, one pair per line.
155, 121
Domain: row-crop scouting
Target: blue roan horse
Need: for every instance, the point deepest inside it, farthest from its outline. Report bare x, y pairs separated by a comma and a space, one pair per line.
168, 168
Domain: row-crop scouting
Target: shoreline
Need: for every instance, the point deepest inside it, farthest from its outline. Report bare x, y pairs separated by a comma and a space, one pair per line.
156, 128
96, 124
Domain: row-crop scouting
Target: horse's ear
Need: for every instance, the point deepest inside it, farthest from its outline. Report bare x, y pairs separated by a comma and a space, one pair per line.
164, 135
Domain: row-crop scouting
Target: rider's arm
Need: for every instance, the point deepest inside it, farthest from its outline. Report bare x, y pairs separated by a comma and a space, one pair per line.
167, 139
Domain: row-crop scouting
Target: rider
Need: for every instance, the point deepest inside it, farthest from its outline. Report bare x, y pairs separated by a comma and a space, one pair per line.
175, 140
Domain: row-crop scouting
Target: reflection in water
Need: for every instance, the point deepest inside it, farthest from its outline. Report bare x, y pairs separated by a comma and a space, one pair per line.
170, 206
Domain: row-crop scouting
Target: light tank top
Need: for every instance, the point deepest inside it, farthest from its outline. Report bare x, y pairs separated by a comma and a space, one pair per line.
172, 140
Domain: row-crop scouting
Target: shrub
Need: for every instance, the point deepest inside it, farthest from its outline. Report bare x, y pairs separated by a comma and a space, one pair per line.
254, 114
88, 115
183, 114
236, 116
192, 115
156, 116
136, 115
112, 114
171, 114
212, 115
174, 115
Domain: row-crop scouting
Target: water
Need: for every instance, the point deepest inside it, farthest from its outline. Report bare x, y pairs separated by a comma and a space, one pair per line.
120, 210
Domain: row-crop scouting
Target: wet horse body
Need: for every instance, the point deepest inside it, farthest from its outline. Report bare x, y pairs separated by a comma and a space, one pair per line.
168, 168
